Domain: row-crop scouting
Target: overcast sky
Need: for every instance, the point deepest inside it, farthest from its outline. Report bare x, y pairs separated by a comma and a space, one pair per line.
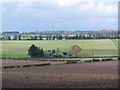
50, 15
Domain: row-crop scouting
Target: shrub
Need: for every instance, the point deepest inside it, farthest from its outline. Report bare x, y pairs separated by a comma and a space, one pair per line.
4, 58
9, 58
11, 66
5, 67
96, 60
88, 61
17, 66
36, 65
26, 65
106, 59
71, 61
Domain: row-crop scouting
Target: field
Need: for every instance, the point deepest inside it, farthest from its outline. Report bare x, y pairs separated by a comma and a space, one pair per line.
83, 75
102, 74
21, 63
103, 47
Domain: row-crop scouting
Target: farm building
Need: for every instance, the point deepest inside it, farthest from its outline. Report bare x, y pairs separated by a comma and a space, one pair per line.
47, 54
57, 55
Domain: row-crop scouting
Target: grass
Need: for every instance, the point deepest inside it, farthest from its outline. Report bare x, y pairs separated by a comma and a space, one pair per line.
103, 47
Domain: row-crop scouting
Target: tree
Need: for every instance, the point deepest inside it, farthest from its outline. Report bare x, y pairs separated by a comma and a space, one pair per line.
40, 37
76, 37
8, 38
19, 37
31, 37
83, 36
15, 37
74, 50
47, 37
42, 52
66, 37
60, 37
57, 51
53, 51
57, 36
49, 50
33, 51
53, 37
35, 37
2, 38
80, 36
64, 53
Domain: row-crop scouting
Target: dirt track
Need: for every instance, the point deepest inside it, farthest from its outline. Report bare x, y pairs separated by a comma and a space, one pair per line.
84, 75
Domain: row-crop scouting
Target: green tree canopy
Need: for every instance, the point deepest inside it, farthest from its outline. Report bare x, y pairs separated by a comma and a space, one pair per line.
34, 51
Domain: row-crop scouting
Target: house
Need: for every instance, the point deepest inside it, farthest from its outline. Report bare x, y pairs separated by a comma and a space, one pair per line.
57, 55
47, 54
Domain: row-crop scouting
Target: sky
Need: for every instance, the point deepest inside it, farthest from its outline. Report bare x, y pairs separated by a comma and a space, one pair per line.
58, 15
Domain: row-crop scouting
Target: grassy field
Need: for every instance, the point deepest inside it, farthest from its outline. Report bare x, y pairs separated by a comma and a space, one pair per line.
89, 47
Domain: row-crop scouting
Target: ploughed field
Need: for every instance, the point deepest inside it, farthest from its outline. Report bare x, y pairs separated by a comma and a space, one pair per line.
21, 63
82, 75
101, 47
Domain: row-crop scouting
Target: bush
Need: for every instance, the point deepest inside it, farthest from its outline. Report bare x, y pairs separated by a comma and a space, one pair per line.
17, 66
5, 67
4, 58
88, 61
96, 60
36, 65
64, 53
71, 61
11, 66
106, 59
26, 65
8, 57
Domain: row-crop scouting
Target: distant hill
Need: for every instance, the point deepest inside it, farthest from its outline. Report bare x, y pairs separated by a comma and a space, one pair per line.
11, 32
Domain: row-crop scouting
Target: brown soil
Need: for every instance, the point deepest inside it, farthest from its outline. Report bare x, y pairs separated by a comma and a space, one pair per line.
27, 62
83, 75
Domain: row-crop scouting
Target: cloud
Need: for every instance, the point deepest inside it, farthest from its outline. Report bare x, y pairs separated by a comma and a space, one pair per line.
111, 9
24, 4
66, 3
100, 7
84, 4
60, 14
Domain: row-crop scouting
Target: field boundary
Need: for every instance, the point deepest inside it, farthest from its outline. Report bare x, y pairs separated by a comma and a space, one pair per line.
29, 58
26, 65
68, 61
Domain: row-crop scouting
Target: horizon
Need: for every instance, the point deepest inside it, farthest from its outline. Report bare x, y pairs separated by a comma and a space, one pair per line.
59, 31
63, 31
59, 15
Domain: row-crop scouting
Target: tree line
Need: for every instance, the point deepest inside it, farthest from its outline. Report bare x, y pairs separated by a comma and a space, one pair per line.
57, 37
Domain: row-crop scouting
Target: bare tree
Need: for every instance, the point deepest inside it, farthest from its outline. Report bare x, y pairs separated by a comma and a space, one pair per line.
57, 51
74, 50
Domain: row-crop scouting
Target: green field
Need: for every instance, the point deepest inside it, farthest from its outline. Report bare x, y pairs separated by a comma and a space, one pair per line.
89, 47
